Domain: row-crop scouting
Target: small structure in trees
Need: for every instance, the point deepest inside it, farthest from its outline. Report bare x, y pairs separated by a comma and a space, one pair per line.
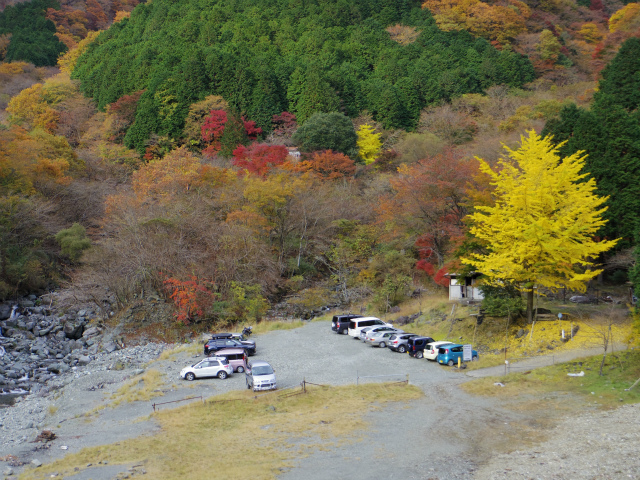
463, 287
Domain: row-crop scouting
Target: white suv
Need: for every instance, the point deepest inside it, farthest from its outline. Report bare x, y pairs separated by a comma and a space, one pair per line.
209, 367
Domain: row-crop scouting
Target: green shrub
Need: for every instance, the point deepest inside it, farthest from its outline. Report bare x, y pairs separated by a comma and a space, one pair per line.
73, 241
500, 301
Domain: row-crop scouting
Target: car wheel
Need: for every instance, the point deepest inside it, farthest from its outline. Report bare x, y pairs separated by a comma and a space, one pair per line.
382, 345
240, 369
450, 363
418, 354
222, 374
474, 359
402, 349
190, 376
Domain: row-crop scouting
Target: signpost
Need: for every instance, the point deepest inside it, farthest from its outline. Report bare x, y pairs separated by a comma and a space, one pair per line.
466, 353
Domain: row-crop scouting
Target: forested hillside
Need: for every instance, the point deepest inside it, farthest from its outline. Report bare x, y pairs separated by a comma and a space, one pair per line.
266, 57
157, 156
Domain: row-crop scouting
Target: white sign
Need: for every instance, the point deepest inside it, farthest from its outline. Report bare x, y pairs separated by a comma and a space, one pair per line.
466, 353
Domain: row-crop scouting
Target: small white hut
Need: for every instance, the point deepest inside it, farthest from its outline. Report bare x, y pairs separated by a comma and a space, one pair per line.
463, 288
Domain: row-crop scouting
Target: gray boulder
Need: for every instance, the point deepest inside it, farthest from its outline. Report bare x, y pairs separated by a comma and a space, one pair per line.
91, 332
110, 347
5, 311
73, 330
84, 360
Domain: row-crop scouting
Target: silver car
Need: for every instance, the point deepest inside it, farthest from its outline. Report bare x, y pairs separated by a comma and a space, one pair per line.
260, 375
371, 330
380, 338
398, 342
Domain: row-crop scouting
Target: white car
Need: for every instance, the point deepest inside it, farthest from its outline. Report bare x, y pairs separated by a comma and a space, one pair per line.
209, 367
357, 324
431, 350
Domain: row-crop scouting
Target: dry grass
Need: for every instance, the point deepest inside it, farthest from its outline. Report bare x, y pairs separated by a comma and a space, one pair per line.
269, 326
170, 354
52, 409
257, 437
141, 388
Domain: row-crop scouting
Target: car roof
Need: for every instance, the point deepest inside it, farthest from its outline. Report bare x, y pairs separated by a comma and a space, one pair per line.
441, 342
222, 351
221, 335
360, 319
455, 345
258, 363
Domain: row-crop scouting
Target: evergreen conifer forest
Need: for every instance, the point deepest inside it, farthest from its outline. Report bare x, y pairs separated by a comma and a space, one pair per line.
230, 155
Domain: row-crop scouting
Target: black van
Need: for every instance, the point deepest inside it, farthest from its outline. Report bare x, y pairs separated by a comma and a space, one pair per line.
340, 323
416, 346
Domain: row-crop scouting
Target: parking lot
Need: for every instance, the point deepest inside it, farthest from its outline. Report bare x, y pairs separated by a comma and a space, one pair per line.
401, 442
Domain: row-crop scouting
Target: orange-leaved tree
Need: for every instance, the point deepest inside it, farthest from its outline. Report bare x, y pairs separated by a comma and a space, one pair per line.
327, 164
190, 297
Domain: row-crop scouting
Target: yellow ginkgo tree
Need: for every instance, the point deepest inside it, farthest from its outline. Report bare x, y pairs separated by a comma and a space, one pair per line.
541, 229
369, 143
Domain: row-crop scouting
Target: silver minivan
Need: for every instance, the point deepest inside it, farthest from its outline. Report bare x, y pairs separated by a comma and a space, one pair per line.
260, 376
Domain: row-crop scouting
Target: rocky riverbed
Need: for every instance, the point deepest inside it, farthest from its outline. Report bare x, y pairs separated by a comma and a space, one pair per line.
39, 341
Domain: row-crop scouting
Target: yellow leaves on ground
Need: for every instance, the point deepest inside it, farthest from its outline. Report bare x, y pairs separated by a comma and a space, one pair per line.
541, 229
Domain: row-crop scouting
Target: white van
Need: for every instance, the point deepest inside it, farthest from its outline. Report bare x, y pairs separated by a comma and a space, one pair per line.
358, 324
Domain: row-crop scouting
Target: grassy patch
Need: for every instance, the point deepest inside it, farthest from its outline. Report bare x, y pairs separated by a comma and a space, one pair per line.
254, 437
170, 354
269, 326
620, 371
141, 388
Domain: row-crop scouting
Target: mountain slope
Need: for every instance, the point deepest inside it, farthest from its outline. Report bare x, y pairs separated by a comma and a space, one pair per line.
269, 56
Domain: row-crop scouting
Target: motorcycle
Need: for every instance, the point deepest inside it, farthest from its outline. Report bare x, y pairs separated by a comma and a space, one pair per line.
246, 331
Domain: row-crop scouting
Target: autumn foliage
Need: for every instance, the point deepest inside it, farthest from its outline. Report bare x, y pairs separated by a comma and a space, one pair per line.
499, 22
328, 164
190, 297
427, 206
259, 158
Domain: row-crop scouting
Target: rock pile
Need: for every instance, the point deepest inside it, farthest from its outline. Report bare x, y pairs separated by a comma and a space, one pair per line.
38, 342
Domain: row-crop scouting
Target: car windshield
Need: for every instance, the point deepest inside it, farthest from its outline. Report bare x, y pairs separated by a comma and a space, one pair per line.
262, 370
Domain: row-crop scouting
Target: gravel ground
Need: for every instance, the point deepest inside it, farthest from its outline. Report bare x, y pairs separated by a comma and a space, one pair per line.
408, 443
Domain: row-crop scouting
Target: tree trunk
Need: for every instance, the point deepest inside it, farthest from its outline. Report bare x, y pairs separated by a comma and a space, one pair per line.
604, 357
530, 305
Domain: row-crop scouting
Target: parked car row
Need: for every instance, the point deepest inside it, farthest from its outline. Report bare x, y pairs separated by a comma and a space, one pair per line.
228, 353
375, 332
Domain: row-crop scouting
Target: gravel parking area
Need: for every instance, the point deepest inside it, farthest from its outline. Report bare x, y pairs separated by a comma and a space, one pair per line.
444, 435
